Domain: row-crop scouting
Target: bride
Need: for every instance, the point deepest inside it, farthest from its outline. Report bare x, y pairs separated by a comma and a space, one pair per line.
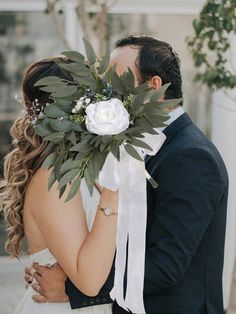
74, 234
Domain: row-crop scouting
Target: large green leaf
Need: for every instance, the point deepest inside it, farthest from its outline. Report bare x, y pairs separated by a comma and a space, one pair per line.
153, 109
89, 179
133, 152
61, 191
160, 92
115, 149
73, 55
55, 137
41, 131
65, 91
74, 67
74, 189
81, 147
53, 111
141, 144
88, 81
106, 139
89, 51
71, 137
68, 177
141, 88
115, 81
62, 125
169, 103
104, 62
51, 180
70, 164
157, 122
50, 160
49, 80
145, 125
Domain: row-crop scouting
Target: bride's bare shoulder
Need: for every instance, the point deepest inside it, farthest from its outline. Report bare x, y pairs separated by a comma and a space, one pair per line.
40, 178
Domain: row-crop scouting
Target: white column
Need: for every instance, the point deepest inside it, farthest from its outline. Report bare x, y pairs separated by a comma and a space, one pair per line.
73, 30
223, 135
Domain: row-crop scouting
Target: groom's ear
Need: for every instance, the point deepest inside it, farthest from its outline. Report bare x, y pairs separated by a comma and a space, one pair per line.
155, 82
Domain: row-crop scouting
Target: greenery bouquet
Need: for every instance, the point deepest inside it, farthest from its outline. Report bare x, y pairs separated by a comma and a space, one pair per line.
92, 114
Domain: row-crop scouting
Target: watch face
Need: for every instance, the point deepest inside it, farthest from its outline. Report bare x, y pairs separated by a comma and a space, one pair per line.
107, 211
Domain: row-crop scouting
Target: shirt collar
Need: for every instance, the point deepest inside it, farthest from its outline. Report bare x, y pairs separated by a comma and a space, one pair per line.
174, 115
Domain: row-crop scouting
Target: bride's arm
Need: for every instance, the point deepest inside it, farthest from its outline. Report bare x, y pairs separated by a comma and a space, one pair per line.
86, 257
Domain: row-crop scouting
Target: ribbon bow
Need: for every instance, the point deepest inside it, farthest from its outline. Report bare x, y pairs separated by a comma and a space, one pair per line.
129, 176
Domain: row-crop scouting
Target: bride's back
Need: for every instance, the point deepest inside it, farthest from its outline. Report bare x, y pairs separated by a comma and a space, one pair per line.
34, 194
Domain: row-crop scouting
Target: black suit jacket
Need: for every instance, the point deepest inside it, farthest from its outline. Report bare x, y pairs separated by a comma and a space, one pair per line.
185, 228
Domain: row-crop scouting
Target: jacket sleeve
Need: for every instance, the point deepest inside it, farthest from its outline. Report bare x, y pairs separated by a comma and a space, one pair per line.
189, 193
79, 300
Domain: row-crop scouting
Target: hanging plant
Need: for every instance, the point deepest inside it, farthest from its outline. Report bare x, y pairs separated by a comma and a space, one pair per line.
211, 44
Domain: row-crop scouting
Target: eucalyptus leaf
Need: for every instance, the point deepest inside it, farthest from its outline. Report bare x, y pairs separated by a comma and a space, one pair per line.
74, 67
73, 55
89, 181
81, 147
62, 125
169, 103
90, 81
115, 149
160, 92
55, 137
104, 62
57, 165
65, 91
89, 51
41, 131
53, 111
141, 144
71, 137
74, 189
106, 139
61, 191
51, 180
100, 159
70, 164
132, 152
68, 177
50, 160
141, 89
102, 147
49, 80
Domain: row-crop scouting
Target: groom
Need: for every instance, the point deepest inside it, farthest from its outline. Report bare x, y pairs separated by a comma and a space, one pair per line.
187, 213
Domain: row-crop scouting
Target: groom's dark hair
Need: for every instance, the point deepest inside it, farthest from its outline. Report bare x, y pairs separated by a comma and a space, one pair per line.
156, 58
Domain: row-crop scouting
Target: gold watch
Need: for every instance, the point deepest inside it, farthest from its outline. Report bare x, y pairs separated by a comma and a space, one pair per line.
107, 211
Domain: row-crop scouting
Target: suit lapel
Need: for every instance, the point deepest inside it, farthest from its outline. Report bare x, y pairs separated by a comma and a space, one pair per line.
171, 131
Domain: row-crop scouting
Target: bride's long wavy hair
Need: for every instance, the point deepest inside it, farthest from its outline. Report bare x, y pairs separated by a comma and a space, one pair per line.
26, 154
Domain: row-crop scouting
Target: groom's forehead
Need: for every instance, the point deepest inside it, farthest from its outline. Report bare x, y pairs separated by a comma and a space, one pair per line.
124, 58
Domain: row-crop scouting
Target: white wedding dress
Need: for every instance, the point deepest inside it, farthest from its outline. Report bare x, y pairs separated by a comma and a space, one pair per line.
45, 258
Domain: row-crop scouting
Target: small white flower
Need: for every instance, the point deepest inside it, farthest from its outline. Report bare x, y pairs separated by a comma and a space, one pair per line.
81, 98
87, 101
41, 114
107, 117
79, 103
61, 118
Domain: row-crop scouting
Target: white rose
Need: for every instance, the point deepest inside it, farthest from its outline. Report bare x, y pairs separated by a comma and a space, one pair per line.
107, 117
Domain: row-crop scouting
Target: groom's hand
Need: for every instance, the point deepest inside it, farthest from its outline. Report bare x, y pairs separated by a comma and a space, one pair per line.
50, 284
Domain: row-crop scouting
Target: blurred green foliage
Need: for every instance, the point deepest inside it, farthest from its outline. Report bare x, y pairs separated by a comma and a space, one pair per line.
211, 43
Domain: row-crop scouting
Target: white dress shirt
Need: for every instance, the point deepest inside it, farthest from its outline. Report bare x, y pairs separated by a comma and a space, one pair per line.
174, 115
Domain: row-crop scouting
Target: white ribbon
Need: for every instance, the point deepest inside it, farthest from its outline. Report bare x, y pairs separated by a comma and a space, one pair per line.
129, 176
